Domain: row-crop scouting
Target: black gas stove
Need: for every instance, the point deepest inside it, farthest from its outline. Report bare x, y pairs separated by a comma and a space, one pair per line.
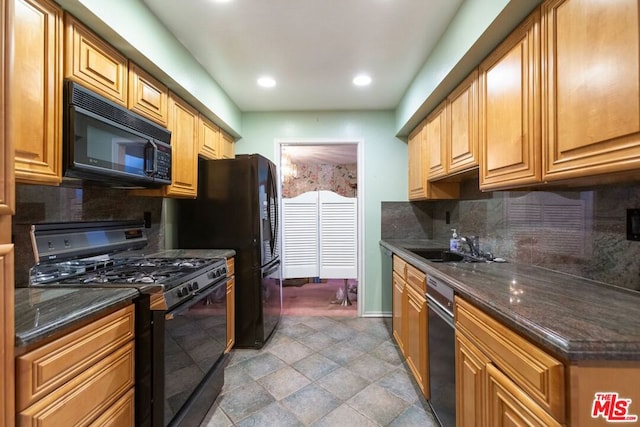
186, 335
107, 253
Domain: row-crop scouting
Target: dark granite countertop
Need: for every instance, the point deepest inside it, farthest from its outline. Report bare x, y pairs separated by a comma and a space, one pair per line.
41, 313
571, 317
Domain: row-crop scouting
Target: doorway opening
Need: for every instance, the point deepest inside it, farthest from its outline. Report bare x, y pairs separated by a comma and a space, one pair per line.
321, 199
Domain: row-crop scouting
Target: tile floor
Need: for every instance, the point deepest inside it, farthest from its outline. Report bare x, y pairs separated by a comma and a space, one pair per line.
321, 371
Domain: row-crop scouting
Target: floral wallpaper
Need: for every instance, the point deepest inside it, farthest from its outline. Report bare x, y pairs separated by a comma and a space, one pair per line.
340, 179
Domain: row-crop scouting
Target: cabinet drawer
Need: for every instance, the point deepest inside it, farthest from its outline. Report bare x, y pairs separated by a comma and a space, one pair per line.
417, 279
47, 368
87, 396
537, 373
121, 413
400, 266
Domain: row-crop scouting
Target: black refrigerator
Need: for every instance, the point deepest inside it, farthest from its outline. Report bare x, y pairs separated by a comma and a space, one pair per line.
237, 208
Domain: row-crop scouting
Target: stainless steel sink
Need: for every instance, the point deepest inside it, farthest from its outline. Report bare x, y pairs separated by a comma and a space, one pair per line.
437, 255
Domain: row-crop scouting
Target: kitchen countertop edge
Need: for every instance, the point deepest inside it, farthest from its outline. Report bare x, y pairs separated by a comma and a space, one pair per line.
73, 306
562, 345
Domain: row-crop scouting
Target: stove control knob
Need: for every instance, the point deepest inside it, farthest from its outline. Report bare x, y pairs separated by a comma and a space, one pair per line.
195, 286
180, 293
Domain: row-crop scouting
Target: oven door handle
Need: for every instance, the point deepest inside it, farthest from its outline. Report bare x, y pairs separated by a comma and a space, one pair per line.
440, 311
197, 297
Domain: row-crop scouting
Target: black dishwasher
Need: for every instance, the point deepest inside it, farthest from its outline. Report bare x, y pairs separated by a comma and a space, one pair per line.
442, 365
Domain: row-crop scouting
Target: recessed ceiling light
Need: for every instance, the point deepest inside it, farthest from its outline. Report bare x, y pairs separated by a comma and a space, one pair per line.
362, 80
266, 81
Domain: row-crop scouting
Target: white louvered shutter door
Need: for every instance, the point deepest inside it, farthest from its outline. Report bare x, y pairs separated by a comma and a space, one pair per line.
338, 239
300, 236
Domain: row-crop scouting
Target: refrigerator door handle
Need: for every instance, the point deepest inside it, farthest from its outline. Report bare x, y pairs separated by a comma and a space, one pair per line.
273, 199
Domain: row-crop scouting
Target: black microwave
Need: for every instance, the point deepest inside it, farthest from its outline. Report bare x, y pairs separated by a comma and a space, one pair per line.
107, 144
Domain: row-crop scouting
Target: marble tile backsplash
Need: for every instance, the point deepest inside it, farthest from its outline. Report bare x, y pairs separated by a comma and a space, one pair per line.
576, 232
35, 204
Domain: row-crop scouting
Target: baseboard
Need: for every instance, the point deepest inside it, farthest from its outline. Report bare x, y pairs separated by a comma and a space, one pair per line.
377, 314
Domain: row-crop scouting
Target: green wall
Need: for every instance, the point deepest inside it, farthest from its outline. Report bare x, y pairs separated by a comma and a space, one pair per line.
478, 26
384, 168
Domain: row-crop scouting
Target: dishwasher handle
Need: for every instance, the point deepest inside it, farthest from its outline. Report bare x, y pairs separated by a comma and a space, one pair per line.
440, 311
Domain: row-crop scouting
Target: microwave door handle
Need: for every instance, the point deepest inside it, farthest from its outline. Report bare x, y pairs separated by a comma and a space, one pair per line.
150, 155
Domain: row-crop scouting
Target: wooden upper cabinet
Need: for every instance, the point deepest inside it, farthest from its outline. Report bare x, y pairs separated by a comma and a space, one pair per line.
147, 96
462, 126
34, 106
417, 160
419, 186
93, 63
510, 110
435, 139
209, 139
227, 149
591, 113
183, 124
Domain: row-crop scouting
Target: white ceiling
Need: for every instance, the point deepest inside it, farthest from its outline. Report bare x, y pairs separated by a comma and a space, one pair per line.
313, 48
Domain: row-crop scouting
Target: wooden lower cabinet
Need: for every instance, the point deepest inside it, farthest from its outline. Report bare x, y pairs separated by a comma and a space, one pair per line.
83, 378
508, 405
231, 315
501, 378
121, 413
471, 370
231, 304
416, 346
410, 320
398, 310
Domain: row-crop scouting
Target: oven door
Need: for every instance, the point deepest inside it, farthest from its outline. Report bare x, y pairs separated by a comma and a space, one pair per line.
195, 340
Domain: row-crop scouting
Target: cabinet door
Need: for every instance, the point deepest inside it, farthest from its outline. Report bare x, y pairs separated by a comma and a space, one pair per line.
209, 139
93, 63
470, 383
227, 149
183, 123
399, 310
417, 165
509, 110
415, 323
462, 126
7, 207
121, 413
85, 397
231, 303
147, 96
7, 334
435, 135
508, 405
591, 87
35, 99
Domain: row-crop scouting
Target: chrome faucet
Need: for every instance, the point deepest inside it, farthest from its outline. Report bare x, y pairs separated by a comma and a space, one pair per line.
473, 249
